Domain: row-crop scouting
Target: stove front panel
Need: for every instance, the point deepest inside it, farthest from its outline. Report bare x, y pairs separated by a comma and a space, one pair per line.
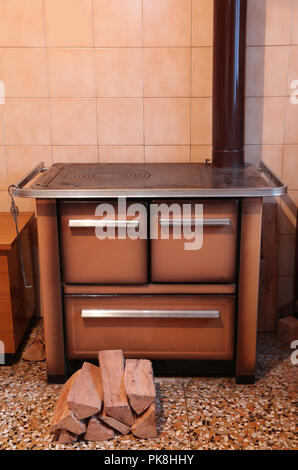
88, 259
146, 327
212, 262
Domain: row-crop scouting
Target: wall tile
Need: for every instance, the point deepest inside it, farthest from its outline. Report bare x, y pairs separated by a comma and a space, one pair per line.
23, 70
121, 154
202, 22
167, 121
199, 153
201, 79
291, 131
266, 71
118, 23
120, 121
20, 159
75, 154
119, 72
167, 72
4, 201
2, 127
294, 38
73, 121
264, 120
293, 68
290, 167
68, 23
3, 169
21, 23
166, 23
201, 121
27, 121
167, 154
268, 22
286, 255
71, 73
271, 155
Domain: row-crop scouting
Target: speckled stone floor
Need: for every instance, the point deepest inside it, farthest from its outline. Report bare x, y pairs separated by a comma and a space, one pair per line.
193, 413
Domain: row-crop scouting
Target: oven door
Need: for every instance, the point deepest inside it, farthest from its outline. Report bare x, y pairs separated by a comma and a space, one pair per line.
96, 248
209, 258
158, 326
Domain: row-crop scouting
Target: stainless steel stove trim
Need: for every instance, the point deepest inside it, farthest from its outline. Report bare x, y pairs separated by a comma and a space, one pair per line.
31, 174
277, 188
167, 193
158, 313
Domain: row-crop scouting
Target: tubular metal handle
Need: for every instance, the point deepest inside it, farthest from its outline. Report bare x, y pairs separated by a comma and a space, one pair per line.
158, 313
189, 222
30, 175
103, 223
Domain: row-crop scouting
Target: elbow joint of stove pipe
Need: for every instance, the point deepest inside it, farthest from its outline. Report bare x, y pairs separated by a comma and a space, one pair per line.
229, 58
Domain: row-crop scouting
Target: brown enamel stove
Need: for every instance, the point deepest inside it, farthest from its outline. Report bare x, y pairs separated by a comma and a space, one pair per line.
151, 297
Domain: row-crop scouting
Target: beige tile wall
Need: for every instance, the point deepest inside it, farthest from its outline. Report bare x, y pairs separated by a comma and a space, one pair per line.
131, 80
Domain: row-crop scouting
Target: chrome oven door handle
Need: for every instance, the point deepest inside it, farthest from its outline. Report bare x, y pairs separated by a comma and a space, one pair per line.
156, 313
190, 222
103, 223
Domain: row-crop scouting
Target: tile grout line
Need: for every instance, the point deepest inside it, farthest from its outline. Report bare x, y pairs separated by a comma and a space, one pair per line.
95, 83
203, 46
287, 90
143, 78
47, 78
134, 97
190, 78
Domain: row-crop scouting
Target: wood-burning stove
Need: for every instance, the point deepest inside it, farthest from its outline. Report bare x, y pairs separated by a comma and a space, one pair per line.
150, 296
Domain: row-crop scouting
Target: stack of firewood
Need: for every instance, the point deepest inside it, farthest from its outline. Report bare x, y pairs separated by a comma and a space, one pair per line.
117, 396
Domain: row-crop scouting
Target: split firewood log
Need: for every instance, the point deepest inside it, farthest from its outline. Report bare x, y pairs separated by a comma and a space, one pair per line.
85, 395
114, 423
112, 374
145, 424
97, 430
66, 437
139, 384
64, 417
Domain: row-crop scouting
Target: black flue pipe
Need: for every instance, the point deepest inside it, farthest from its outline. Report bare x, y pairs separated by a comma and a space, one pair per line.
229, 57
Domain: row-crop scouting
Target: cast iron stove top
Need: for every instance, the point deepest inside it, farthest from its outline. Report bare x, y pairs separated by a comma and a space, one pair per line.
90, 180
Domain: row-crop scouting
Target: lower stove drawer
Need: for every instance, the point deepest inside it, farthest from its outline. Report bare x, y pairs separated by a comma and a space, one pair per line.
160, 327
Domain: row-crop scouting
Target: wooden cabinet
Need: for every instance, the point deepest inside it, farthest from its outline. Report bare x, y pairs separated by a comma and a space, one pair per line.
17, 304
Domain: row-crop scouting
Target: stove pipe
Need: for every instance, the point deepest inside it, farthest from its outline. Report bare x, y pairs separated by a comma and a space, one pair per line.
229, 55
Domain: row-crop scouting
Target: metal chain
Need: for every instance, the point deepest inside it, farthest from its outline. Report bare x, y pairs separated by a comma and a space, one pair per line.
15, 212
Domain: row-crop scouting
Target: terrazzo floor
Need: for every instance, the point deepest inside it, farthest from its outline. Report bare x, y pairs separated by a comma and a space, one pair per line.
192, 413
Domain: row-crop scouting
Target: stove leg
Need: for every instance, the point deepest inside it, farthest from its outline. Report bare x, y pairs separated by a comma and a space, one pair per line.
245, 379
56, 379
250, 248
50, 285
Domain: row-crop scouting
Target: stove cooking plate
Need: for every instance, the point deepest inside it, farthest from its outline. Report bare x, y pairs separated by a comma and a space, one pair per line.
109, 175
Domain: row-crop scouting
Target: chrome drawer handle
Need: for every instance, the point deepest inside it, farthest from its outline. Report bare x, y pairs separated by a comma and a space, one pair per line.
189, 222
103, 223
120, 313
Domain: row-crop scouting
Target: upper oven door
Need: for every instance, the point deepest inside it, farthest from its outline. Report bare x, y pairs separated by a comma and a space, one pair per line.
206, 250
99, 248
